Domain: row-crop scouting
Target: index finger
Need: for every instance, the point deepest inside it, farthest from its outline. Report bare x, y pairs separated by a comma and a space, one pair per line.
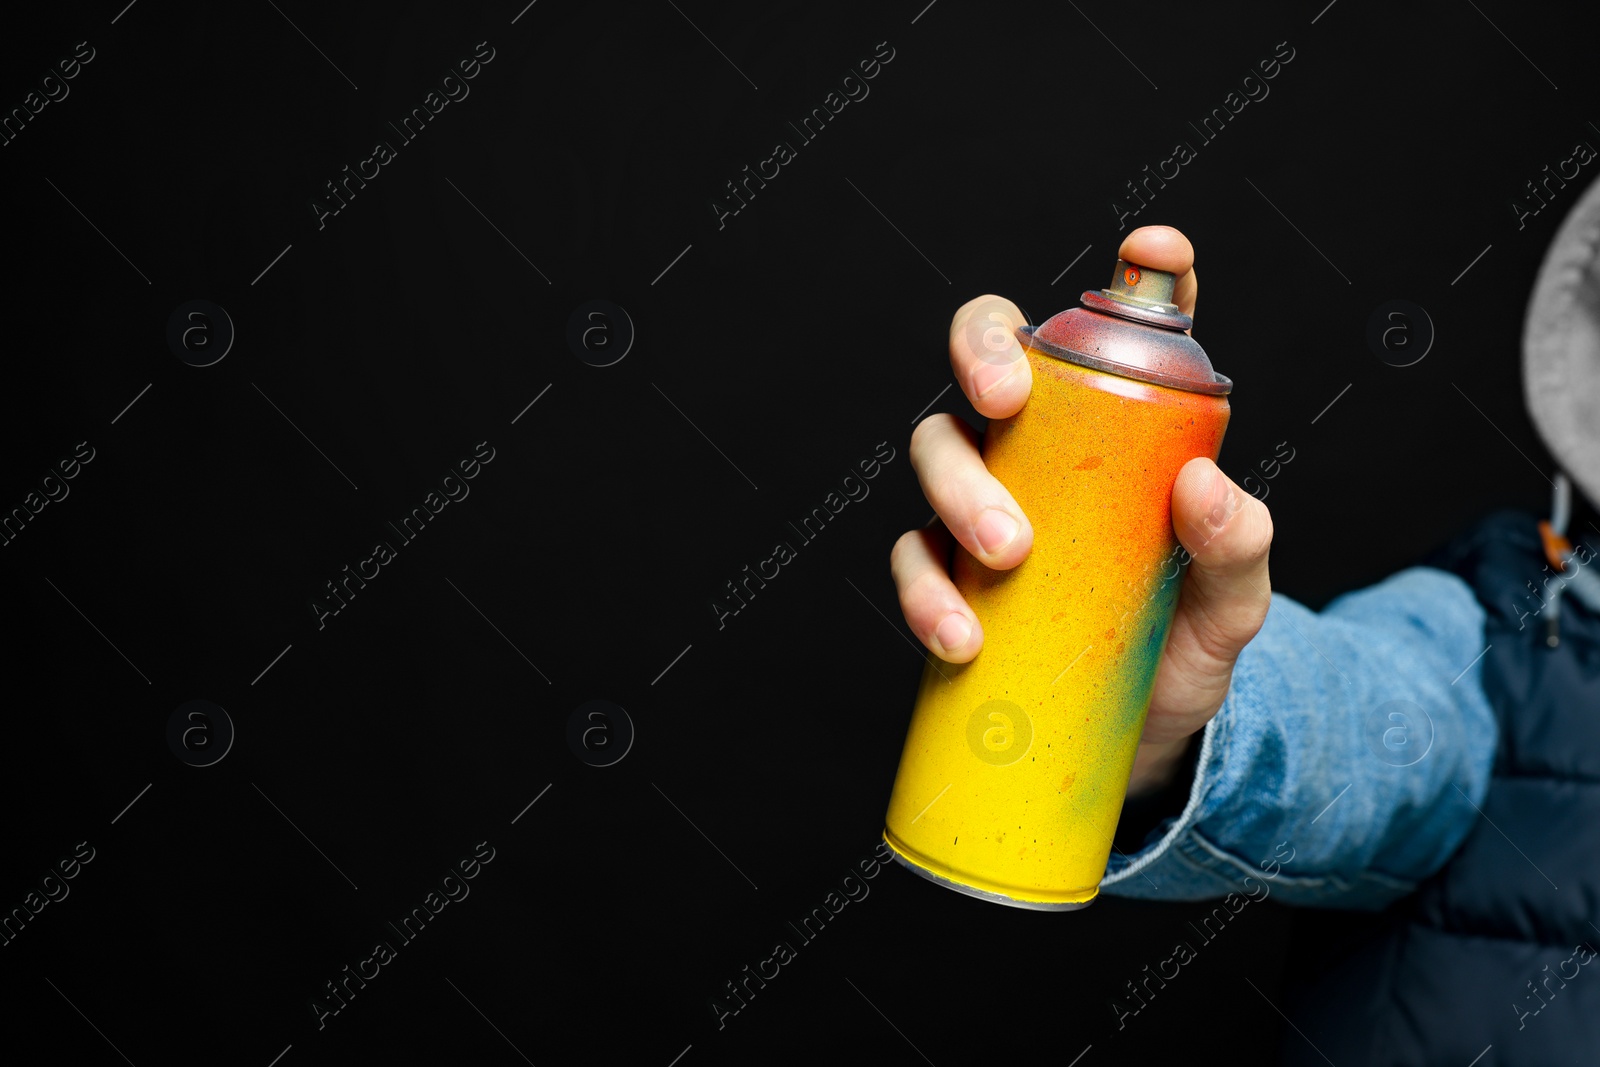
1165, 248
987, 357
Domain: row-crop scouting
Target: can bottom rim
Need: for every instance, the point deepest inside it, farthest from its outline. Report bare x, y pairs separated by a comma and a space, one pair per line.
986, 894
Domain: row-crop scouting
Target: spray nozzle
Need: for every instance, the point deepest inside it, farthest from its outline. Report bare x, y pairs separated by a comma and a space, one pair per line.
1143, 287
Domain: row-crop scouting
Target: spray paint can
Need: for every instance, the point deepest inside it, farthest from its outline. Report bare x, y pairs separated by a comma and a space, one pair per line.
1016, 764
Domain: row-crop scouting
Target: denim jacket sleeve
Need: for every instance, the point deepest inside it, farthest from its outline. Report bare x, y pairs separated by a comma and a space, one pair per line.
1348, 759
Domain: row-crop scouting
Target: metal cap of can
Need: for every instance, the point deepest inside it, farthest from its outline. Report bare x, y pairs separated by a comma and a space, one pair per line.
1131, 329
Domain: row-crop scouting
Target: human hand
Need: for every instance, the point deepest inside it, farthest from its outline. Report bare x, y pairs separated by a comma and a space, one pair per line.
1226, 531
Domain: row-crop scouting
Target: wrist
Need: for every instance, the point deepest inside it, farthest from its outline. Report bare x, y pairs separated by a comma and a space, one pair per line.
1156, 764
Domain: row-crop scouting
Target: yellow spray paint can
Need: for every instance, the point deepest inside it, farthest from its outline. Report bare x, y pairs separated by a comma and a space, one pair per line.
1016, 764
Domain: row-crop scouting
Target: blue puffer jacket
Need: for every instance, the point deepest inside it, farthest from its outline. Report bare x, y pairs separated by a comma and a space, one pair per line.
1492, 960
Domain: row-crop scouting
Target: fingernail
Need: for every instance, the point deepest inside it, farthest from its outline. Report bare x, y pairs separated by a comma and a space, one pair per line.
953, 631
995, 369
996, 530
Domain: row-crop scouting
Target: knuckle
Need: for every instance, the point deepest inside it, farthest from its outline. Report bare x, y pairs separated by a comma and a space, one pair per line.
963, 315
1243, 541
972, 329
923, 589
904, 545
931, 434
1259, 541
1222, 630
965, 310
987, 302
1212, 644
951, 478
941, 461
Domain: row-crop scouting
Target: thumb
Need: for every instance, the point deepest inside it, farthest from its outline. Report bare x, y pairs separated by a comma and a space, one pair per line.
1227, 533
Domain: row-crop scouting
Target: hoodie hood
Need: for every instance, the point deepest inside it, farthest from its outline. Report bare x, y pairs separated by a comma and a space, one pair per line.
1561, 346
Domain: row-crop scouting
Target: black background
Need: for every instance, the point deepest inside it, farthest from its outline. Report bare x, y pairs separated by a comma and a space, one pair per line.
811, 326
